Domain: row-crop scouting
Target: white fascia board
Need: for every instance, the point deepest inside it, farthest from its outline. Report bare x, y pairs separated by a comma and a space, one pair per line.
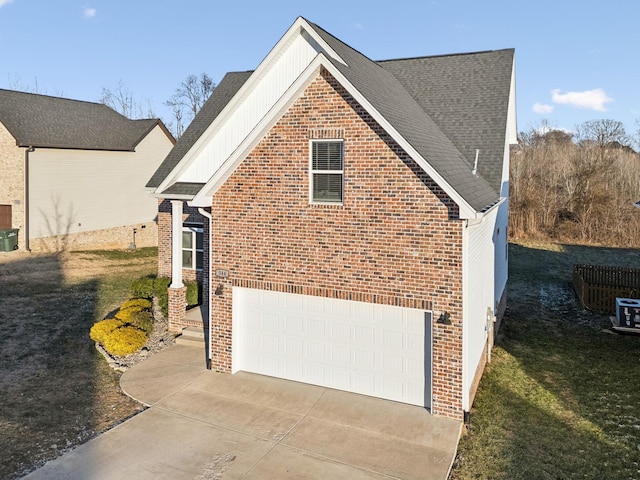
170, 196
299, 27
203, 198
512, 122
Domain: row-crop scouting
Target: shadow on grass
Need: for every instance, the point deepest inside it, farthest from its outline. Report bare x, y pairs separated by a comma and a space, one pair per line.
560, 399
55, 389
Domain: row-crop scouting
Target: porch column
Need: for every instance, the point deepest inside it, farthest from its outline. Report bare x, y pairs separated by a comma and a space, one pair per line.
176, 244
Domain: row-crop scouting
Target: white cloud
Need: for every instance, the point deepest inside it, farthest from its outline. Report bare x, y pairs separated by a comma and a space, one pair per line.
542, 108
358, 26
595, 99
88, 12
5, 2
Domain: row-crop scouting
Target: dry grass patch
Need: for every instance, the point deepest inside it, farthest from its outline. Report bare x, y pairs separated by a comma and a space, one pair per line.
56, 390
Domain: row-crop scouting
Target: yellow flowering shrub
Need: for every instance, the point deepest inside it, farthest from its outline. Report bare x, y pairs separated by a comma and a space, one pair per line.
124, 341
127, 332
127, 314
141, 303
102, 329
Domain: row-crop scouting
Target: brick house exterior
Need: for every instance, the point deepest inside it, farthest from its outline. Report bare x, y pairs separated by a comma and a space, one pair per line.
399, 237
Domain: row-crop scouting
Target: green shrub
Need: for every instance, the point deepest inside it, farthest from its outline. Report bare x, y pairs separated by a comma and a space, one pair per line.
143, 287
148, 287
124, 341
102, 329
160, 286
193, 293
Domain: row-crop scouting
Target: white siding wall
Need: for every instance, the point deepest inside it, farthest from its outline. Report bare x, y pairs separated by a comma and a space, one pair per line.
479, 281
214, 147
75, 191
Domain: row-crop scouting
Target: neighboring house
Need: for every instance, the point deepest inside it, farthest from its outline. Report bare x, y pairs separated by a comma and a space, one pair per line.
73, 173
348, 218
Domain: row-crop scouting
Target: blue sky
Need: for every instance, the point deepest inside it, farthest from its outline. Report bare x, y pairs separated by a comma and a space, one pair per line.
575, 60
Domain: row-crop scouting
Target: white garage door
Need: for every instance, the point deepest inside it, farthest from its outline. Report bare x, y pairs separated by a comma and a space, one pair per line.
376, 350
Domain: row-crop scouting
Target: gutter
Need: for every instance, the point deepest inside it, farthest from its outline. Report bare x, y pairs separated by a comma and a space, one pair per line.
27, 245
204, 213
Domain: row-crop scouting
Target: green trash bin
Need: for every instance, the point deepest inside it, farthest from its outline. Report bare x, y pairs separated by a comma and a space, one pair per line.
8, 239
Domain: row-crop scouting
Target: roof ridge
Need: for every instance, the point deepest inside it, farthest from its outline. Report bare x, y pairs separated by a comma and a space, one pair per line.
459, 54
55, 97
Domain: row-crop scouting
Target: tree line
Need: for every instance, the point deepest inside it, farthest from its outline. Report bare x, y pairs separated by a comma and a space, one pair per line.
580, 187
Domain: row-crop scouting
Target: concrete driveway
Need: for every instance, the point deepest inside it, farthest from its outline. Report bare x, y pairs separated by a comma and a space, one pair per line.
206, 425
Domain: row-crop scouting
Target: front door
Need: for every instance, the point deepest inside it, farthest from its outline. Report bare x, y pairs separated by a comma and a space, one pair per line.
5, 216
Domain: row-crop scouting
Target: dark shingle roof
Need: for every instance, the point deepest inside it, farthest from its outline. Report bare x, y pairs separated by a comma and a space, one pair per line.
53, 122
467, 95
445, 107
184, 188
387, 93
219, 99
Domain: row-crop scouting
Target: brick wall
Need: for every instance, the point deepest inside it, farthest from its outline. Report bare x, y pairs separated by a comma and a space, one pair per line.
396, 239
191, 215
117, 238
12, 178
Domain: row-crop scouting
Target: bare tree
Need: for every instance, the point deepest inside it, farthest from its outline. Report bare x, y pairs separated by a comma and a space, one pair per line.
121, 100
604, 133
188, 99
16, 83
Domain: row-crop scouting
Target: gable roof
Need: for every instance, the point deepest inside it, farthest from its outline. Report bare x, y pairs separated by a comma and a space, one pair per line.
400, 95
467, 95
52, 122
406, 113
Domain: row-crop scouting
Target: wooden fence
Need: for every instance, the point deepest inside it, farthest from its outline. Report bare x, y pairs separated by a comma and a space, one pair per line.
598, 287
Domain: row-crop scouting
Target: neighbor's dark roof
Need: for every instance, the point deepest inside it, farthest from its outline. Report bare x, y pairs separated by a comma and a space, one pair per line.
54, 122
446, 107
219, 99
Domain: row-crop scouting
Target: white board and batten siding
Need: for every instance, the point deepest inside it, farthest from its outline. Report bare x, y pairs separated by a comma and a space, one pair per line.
370, 349
484, 279
73, 191
224, 138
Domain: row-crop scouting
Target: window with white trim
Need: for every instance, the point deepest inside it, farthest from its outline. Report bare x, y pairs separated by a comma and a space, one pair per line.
192, 247
327, 171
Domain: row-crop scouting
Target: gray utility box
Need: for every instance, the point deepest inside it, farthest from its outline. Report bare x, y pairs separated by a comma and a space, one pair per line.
8, 239
628, 312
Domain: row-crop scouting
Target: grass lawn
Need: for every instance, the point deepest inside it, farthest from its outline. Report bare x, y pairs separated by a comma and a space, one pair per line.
561, 398
56, 390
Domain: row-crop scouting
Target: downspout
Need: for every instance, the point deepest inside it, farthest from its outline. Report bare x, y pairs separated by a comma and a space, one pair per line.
204, 213
27, 245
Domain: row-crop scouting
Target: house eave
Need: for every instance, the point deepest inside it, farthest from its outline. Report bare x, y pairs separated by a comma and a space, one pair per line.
171, 196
